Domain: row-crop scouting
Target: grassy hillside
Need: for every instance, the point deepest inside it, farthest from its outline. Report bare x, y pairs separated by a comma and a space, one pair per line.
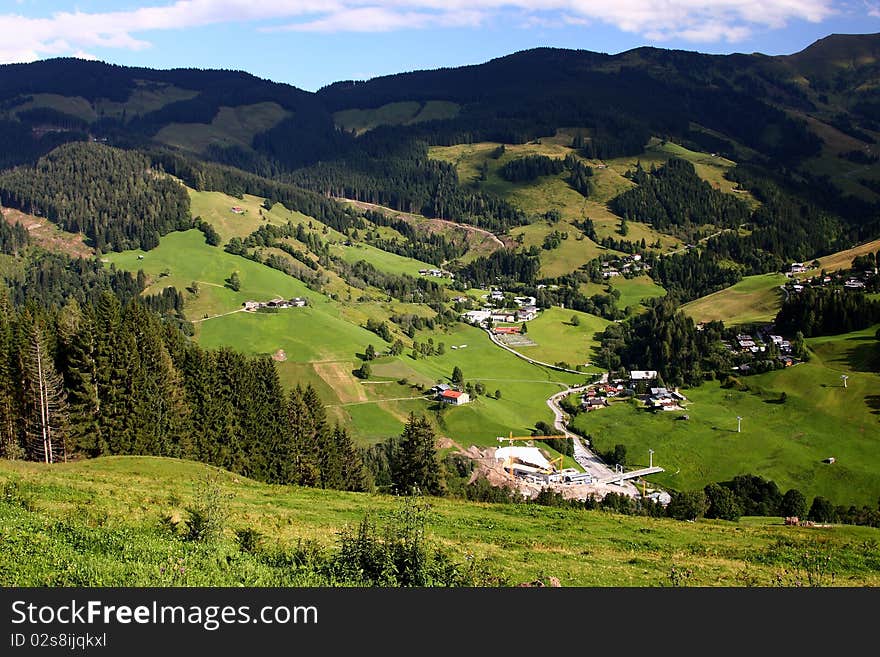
403, 113
559, 340
781, 440
753, 299
554, 193
232, 126
96, 523
318, 344
634, 290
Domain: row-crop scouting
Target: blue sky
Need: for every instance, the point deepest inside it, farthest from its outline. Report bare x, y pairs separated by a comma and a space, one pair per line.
310, 43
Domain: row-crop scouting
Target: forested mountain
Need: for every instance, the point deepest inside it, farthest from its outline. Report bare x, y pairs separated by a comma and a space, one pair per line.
751, 107
112, 196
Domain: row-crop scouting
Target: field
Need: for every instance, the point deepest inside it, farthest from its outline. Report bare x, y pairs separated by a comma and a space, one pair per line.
402, 113
216, 209
842, 259
781, 440
95, 523
383, 260
754, 299
634, 290
233, 126
559, 341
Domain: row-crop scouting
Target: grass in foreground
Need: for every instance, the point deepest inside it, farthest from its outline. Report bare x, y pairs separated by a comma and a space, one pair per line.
96, 523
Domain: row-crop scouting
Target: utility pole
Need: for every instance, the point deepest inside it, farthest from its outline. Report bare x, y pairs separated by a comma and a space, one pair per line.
650, 458
844, 377
738, 424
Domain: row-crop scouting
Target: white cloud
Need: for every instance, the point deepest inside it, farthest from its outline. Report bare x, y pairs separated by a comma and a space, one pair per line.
26, 38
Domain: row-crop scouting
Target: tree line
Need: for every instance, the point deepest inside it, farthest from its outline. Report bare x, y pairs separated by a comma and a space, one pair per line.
103, 379
826, 311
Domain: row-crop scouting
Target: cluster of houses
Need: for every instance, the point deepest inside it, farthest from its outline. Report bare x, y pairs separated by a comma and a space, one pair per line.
627, 264
758, 343
296, 302
449, 395
437, 273
853, 280
525, 311
639, 384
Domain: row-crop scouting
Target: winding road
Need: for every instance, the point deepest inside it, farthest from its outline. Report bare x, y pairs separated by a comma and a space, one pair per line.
589, 461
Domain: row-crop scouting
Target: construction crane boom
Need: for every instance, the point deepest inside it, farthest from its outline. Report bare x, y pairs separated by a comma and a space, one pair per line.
511, 438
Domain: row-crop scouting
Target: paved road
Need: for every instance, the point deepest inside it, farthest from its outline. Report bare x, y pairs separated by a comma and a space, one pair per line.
589, 461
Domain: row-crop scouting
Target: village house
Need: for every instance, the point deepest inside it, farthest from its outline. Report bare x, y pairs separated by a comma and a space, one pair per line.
506, 330
296, 302
589, 403
504, 316
477, 317
454, 397
526, 313
798, 268
525, 302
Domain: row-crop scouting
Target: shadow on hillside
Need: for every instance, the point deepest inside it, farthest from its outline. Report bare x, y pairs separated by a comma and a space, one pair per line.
861, 354
873, 402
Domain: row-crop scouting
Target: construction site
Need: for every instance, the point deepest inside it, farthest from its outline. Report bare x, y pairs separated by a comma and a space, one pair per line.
529, 469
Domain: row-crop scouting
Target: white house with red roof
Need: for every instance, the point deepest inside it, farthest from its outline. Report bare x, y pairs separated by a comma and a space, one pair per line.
454, 397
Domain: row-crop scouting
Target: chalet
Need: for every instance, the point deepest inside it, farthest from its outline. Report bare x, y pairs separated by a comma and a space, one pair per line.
298, 302
611, 273
504, 316
854, 284
525, 302
237, 210
592, 403
496, 295
454, 397
440, 388
526, 313
798, 268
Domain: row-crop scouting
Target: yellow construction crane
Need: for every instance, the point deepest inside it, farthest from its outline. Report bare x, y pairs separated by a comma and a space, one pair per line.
510, 438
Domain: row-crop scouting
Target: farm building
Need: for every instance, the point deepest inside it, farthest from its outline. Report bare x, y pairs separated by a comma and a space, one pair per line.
454, 397
506, 330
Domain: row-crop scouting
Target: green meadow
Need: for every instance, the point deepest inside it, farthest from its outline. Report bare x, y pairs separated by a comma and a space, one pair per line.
390, 263
558, 340
784, 439
754, 299
97, 523
634, 290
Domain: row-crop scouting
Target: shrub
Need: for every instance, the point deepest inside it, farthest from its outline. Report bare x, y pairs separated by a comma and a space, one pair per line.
206, 516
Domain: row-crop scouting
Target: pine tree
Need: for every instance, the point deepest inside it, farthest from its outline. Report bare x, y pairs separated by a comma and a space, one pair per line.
45, 398
10, 446
415, 468
304, 468
354, 475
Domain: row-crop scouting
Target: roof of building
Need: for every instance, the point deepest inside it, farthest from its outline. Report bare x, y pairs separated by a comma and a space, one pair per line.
451, 394
643, 375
